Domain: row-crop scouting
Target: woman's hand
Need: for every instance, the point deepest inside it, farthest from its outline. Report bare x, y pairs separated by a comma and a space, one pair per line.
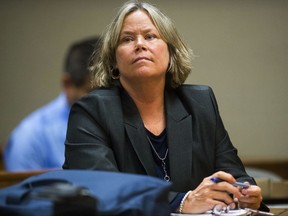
209, 194
251, 197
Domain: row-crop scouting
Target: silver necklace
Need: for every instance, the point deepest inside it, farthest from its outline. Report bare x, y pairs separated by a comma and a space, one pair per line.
166, 176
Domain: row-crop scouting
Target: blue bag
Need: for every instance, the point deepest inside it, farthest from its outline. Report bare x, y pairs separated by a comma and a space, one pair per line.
86, 192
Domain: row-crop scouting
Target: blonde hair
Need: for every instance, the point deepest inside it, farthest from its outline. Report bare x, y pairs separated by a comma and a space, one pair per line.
105, 58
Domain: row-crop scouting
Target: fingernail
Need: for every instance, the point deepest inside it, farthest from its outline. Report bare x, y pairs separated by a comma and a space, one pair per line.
232, 205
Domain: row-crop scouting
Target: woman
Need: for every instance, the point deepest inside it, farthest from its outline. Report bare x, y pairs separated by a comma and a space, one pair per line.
143, 120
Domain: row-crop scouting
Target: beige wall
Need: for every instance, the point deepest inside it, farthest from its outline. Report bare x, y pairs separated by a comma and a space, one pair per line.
241, 45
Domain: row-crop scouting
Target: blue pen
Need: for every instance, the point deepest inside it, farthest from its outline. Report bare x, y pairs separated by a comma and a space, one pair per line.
240, 184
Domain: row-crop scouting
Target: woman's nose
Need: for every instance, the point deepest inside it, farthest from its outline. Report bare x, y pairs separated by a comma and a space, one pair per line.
140, 43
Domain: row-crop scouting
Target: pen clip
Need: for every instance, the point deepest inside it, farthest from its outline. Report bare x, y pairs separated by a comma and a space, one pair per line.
237, 184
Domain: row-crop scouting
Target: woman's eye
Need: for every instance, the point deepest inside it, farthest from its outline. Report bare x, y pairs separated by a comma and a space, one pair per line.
150, 37
126, 39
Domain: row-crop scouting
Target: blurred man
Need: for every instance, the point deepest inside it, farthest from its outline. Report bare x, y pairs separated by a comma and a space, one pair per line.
38, 141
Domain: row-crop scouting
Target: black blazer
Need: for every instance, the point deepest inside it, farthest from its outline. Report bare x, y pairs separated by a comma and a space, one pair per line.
105, 132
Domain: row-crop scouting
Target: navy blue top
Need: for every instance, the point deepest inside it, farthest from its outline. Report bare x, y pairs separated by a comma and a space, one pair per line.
160, 145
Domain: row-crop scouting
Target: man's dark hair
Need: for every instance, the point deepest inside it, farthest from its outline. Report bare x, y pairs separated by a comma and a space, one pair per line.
78, 58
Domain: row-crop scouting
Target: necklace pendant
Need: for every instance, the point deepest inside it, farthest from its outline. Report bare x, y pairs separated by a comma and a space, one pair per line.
166, 178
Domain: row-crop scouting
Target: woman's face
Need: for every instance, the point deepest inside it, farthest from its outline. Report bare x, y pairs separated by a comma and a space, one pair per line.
141, 53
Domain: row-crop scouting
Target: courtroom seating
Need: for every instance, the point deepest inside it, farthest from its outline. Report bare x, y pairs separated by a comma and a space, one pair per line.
11, 178
277, 166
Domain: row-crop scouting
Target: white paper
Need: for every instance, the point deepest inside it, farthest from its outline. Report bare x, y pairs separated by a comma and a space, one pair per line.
240, 212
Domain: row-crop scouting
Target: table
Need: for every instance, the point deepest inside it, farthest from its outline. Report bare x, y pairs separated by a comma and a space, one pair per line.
279, 211
276, 211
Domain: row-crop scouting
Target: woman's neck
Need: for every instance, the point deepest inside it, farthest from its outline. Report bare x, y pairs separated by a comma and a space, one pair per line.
149, 100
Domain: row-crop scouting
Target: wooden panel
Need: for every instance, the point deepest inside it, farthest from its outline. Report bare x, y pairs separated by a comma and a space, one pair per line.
279, 167
11, 178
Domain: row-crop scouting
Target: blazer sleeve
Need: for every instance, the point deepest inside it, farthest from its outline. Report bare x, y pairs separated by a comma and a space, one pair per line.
201, 102
227, 157
87, 144
212, 147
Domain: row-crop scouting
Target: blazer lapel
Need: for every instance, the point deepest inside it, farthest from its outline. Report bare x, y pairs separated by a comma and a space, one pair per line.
179, 130
136, 133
